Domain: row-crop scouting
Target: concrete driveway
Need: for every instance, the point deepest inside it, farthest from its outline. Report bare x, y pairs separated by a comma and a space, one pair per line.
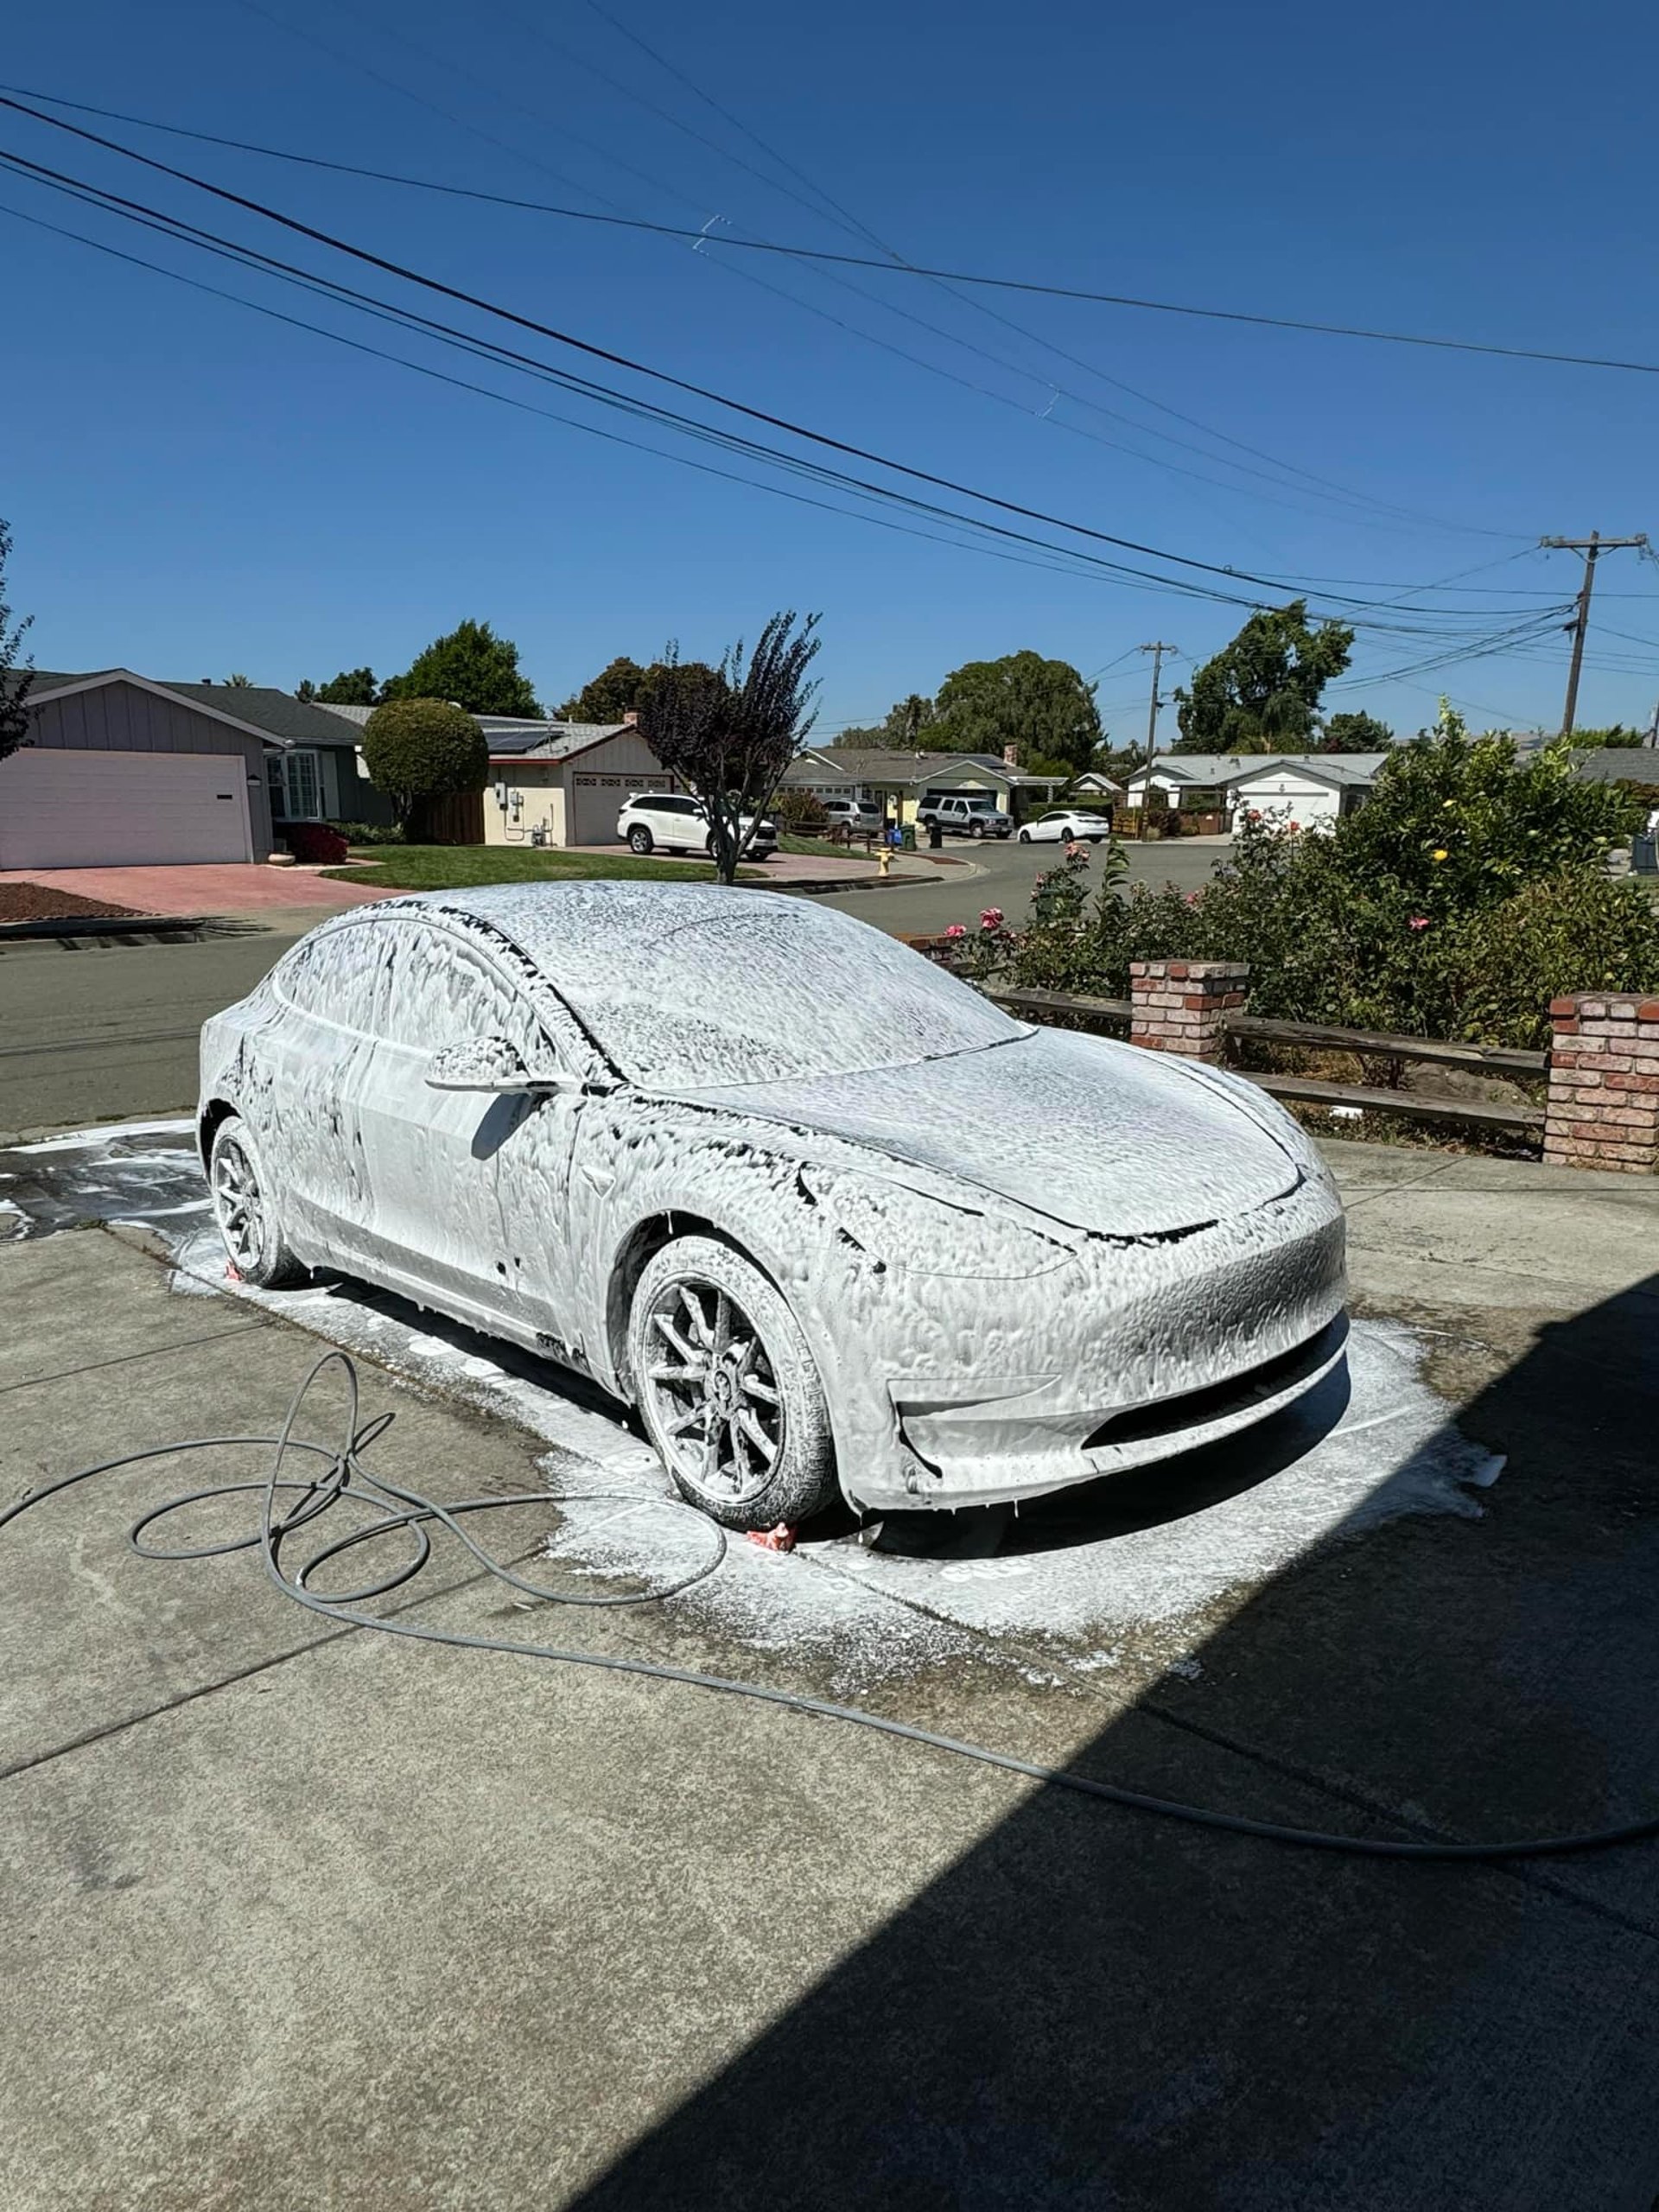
306, 1917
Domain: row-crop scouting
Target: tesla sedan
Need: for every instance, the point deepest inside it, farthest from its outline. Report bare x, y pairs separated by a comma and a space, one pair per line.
827, 1217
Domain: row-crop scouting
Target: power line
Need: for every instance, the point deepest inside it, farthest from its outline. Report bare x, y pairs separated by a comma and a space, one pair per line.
1319, 486
620, 360
903, 267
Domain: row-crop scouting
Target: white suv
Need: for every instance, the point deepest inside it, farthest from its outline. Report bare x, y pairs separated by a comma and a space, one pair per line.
679, 824
970, 814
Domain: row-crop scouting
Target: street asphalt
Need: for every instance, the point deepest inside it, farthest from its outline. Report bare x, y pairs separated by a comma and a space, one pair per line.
299, 1916
101, 1029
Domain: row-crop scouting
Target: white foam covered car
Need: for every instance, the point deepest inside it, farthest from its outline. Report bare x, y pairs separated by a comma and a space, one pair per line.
823, 1213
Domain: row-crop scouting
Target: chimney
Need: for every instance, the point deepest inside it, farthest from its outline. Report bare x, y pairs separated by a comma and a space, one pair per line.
630, 719
1010, 757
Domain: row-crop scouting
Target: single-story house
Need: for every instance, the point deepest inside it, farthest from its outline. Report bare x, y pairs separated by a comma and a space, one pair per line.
1619, 764
557, 783
1304, 788
121, 770
898, 781
1096, 783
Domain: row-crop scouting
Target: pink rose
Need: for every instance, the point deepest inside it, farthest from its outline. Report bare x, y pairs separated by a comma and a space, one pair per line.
991, 918
1418, 922
955, 930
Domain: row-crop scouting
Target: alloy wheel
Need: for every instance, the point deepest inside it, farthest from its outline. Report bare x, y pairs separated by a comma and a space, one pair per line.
717, 1407
240, 1205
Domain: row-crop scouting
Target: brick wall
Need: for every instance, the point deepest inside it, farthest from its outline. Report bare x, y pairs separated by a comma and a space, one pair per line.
1182, 1006
1603, 1107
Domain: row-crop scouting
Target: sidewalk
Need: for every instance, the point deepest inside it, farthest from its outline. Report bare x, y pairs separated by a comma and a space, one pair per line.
300, 1917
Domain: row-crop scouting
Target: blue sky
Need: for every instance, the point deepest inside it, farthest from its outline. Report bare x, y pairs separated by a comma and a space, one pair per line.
195, 488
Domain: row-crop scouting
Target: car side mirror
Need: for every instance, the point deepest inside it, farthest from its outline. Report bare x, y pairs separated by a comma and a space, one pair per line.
491, 1064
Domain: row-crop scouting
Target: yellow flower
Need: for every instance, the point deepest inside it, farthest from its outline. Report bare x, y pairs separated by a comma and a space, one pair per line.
1439, 852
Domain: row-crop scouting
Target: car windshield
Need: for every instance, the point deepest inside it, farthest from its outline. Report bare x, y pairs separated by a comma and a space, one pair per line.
773, 993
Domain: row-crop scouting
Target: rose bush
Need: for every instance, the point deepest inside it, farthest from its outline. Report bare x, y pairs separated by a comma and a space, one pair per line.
1468, 891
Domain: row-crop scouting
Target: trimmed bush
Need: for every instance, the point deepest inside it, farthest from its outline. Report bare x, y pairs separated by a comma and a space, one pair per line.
418, 749
315, 841
371, 833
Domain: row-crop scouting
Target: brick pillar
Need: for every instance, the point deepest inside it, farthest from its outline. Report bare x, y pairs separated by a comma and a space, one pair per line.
1603, 1106
1182, 1006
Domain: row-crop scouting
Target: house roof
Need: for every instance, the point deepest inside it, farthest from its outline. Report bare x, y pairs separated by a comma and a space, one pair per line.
547, 740
278, 713
1619, 764
883, 764
250, 709
1216, 769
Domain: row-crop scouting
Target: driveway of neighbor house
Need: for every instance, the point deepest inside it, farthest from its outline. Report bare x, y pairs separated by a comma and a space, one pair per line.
215, 887
306, 1915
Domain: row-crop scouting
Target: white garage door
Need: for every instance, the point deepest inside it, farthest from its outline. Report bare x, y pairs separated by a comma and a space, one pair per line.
112, 810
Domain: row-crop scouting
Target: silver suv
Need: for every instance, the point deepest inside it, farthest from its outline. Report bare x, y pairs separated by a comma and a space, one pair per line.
677, 823
970, 814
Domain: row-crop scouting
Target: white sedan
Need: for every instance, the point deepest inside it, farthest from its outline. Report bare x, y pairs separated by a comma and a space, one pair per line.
1064, 825
826, 1216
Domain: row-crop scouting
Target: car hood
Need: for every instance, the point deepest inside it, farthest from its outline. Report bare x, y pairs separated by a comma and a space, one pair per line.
1102, 1136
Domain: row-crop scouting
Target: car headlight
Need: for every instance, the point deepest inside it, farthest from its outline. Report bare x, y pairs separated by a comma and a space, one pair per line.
900, 1228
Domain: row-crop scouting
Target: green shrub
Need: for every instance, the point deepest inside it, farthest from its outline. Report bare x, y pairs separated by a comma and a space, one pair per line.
416, 749
1468, 892
800, 812
371, 833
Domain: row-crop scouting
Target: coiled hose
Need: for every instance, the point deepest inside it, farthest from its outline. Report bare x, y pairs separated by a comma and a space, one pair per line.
344, 1476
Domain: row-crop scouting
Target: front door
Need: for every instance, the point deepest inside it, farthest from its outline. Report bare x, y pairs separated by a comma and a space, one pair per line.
470, 1188
303, 1088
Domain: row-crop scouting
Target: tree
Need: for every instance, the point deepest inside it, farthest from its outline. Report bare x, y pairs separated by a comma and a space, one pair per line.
1036, 706
1260, 694
861, 738
15, 681
729, 733
615, 691
238, 683
353, 687
908, 719
472, 668
1352, 732
418, 749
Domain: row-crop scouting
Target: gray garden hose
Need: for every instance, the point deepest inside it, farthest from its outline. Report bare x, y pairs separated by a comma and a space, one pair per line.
344, 1476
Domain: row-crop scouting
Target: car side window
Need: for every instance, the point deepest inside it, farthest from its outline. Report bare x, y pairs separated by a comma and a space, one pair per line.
436, 990
331, 976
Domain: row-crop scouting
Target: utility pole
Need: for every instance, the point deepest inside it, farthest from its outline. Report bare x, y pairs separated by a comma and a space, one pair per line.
1591, 547
1158, 648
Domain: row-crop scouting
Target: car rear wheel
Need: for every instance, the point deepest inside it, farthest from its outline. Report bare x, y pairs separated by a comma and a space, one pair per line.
243, 1209
640, 839
728, 1388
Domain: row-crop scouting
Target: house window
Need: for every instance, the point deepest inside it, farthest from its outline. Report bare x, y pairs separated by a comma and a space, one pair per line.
296, 787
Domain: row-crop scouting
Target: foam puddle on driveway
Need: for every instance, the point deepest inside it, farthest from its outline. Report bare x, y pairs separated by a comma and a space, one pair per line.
1113, 1575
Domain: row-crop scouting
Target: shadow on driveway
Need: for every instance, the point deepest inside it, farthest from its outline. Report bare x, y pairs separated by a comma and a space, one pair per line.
1094, 2008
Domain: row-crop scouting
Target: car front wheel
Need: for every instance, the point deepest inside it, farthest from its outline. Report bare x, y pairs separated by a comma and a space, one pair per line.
975, 829
728, 1388
1025, 836
243, 1209
639, 838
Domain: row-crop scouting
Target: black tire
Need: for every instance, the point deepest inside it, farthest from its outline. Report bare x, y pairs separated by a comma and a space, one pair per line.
243, 1208
976, 831
1025, 836
639, 838
741, 1425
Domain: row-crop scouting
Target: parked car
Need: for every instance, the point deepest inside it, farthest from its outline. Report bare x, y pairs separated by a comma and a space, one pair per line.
970, 814
859, 817
828, 1216
1062, 824
679, 823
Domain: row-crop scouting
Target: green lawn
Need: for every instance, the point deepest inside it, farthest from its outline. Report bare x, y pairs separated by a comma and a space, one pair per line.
448, 867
